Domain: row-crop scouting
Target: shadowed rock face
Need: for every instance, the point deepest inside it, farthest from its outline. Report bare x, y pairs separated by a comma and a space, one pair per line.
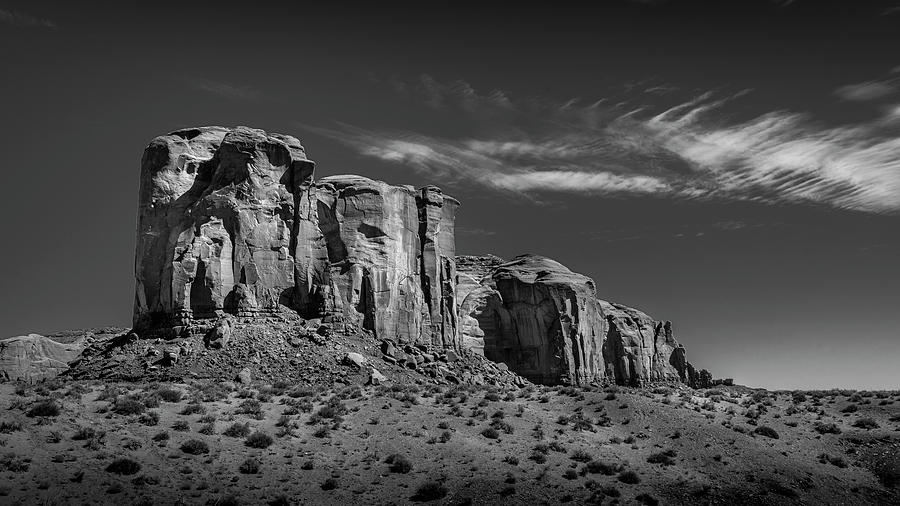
231, 221
545, 322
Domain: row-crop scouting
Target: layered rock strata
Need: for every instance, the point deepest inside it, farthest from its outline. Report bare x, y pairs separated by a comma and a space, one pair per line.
545, 322
231, 221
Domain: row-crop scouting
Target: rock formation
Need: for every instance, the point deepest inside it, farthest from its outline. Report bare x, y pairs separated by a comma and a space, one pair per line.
231, 221
35, 357
232, 225
545, 322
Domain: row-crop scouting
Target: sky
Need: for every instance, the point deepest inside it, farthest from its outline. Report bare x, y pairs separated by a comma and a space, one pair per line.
733, 167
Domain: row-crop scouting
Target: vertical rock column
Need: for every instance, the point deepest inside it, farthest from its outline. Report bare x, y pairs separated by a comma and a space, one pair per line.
437, 214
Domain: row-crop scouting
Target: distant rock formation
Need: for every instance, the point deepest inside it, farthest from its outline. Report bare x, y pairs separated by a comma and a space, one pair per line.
545, 322
35, 357
231, 221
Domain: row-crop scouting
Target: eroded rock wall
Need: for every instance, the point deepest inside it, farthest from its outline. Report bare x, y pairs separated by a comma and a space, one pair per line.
232, 221
545, 322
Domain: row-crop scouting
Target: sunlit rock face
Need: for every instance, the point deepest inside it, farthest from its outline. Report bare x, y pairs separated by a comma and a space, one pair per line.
232, 221
545, 322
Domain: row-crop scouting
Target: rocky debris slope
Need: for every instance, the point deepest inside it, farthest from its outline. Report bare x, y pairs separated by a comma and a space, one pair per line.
545, 322
231, 221
285, 347
35, 357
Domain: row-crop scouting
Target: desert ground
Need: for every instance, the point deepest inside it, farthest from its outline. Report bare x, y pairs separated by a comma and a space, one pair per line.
218, 442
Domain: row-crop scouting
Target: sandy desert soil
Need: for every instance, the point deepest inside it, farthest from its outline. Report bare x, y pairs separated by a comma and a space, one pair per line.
88, 442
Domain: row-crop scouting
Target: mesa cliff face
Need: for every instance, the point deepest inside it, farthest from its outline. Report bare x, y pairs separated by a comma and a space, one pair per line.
545, 322
231, 221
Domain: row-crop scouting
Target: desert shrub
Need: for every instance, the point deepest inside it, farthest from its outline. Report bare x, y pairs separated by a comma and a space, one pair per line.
250, 407
570, 474
330, 484
123, 466
207, 429
445, 436
835, 460
149, 418
128, 406
500, 425
237, 430
334, 410
764, 430
10, 427
181, 426
161, 436
322, 431
610, 396
538, 457
557, 447
398, 463
665, 458
209, 392
512, 460
866, 423
193, 409
430, 491
826, 428
629, 477
600, 467
259, 440
249, 466
581, 456
492, 396
170, 394
13, 463
45, 408
490, 433
850, 408
194, 447
646, 499
84, 433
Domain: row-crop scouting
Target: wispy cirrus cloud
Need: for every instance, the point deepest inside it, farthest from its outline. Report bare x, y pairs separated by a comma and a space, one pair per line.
224, 90
22, 19
614, 147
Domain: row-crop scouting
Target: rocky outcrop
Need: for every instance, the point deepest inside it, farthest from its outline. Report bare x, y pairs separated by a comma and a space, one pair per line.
545, 322
35, 357
231, 221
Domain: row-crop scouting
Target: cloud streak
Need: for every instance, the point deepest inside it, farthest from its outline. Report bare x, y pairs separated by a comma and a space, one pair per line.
22, 19
684, 151
224, 90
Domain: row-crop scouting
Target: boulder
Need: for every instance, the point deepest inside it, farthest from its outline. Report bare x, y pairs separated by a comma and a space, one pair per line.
376, 378
218, 336
355, 360
244, 377
35, 357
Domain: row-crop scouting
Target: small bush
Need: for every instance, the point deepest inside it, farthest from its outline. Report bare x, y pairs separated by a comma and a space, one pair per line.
570, 474
237, 430
866, 423
826, 428
161, 436
46, 408
150, 418
430, 491
509, 459
170, 394
538, 457
490, 433
629, 477
194, 447
646, 499
9, 427
398, 463
193, 409
123, 466
181, 426
259, 440
764, 430
850, 408
128, 406
600, 467
330, 484
581, 456
665, 458
249, 466
835, 460
12, 463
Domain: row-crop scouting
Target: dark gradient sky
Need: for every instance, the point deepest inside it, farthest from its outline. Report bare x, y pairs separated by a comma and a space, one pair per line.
761, 215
